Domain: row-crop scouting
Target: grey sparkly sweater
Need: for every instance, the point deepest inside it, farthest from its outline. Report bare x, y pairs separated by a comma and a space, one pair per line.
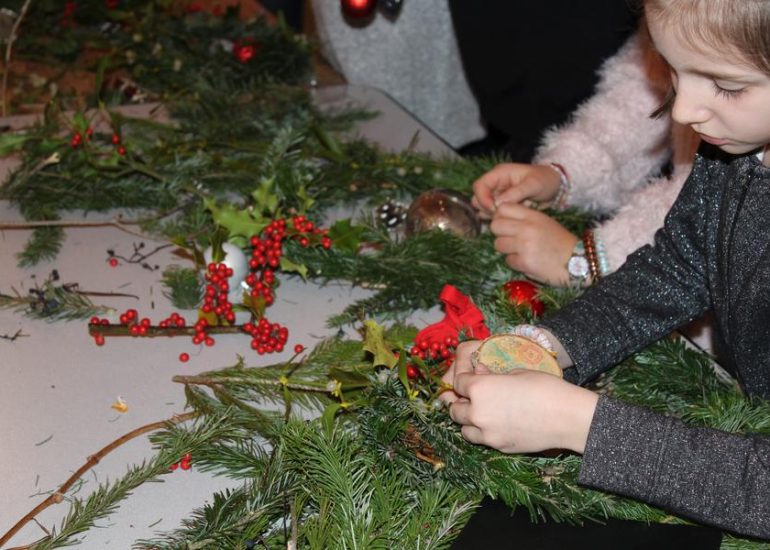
712, 253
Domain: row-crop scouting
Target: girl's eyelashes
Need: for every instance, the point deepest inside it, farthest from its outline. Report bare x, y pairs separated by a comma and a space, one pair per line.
727, 93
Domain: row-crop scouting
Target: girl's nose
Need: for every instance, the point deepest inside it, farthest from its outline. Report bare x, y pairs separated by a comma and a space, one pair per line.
692, 104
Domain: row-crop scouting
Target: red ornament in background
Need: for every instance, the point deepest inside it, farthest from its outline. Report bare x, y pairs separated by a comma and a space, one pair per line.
244, 50
521, 292
358, 9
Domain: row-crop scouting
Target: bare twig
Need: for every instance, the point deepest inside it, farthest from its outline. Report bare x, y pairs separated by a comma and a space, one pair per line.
9, 49
57, 496
115, 222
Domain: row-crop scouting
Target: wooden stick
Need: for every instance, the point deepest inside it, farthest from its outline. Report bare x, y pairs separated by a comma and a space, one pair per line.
93, 460
9, 49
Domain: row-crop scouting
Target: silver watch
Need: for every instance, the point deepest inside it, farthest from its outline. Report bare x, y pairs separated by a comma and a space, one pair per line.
577, 266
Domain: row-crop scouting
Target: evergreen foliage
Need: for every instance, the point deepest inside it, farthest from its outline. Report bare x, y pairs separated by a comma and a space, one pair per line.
379, 463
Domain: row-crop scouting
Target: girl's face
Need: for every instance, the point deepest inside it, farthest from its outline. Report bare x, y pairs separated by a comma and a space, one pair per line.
721, 97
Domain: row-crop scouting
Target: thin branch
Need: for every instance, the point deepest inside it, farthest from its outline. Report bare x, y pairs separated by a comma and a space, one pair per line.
115, 222
214, 383
57, 496
9, 49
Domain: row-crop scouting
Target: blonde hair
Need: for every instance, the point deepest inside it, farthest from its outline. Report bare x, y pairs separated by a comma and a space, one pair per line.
741, 26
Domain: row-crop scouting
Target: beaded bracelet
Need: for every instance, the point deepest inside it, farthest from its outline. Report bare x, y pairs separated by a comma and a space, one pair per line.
560, 200
534, 333
591, 256
601, 255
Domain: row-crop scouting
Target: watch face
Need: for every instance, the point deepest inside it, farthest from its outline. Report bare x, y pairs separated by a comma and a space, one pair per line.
578, 267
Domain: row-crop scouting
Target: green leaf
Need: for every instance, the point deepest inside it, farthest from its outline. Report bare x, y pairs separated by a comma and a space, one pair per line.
306, 201
79, 122
345, 235
374, 343
287, 266
236, 221
264, 198
12, 142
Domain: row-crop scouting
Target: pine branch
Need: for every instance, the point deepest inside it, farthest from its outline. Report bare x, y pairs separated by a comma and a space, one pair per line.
54, 302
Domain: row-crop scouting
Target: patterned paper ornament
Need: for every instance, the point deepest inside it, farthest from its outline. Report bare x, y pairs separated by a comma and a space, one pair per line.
506, 352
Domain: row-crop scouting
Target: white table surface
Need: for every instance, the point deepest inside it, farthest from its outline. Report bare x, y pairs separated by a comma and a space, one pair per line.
57, 387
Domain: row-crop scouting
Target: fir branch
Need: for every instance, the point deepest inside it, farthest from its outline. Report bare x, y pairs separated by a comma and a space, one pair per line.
54, 302
184, 287
58, 496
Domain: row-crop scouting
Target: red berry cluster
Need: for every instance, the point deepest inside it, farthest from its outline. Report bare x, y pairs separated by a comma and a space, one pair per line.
266, 252
77, 138
99, 337
185, 463
201, 336
436, 350
118, 146
267, 337
215, 299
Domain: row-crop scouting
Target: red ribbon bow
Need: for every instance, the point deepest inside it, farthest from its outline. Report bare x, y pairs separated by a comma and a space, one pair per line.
460, 315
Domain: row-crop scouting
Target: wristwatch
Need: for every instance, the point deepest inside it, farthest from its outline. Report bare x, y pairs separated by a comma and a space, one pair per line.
577, 265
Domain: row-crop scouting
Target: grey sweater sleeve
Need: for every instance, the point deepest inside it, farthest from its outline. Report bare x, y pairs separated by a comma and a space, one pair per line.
707, 475
657, 290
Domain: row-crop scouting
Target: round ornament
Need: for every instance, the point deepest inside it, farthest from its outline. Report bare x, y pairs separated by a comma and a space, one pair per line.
358, 9
442, 209
521, 292
236, 260
505, 352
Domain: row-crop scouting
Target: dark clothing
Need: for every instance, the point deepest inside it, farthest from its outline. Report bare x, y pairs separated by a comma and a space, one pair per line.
530, 64
712, 253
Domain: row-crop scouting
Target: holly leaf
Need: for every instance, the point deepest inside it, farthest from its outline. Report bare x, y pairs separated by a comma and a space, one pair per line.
345, 235
306, 201
287, 266
236, 221
264, 198
374, 343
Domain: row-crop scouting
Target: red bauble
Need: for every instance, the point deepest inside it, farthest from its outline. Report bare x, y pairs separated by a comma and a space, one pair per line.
358, 9
522, 292
245, 50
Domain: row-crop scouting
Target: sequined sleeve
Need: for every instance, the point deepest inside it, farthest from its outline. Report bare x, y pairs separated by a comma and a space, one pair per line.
709, 476
658, 289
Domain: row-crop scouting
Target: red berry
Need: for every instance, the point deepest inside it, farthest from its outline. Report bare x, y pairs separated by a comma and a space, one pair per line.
121, 151
115, 139
412, 371
299, 348
99, 339
184, 357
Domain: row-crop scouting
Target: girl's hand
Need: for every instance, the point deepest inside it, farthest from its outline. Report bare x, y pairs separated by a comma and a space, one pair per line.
460, 365
533, 243
514, 183
522, 411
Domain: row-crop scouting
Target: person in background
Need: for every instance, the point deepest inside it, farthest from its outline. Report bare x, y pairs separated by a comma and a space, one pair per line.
713, 252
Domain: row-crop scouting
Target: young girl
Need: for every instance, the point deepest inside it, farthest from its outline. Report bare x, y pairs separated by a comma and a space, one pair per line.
712, 253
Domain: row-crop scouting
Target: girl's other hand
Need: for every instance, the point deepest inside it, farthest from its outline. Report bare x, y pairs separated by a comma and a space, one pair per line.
514, 183
533, 243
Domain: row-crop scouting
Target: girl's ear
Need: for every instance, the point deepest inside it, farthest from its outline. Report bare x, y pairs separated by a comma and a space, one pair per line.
665, 107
